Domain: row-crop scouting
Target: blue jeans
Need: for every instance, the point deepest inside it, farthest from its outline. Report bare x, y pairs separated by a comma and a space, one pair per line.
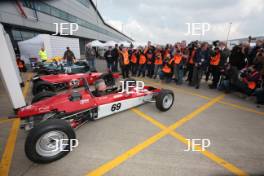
91, 63
110, 66
224, 85
178, 72
157, 70
69, 62
142, 70
165, 76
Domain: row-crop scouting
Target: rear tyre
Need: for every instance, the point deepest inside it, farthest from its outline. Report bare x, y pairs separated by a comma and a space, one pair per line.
42, 95
41, 86
41, 145
164, 100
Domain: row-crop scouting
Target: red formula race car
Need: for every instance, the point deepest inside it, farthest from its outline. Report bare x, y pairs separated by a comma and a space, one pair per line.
55, 118
53, 83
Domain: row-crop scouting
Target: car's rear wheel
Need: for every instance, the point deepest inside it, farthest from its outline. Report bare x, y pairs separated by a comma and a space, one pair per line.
164, 100
42, 95
42, 86
49, 141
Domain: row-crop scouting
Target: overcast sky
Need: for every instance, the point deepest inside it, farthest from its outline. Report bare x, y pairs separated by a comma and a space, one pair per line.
163, 21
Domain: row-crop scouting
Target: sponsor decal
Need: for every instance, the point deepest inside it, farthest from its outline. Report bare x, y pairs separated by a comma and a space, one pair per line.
84, 101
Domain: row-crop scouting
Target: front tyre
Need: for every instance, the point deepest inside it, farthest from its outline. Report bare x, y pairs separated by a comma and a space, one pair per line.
42, 144
164, 100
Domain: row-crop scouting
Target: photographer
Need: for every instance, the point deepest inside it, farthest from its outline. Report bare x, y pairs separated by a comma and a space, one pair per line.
200, 59
249, 79
109, 59
190, 63
215, 67
259, 61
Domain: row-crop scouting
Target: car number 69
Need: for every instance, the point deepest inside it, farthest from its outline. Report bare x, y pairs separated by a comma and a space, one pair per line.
116, 107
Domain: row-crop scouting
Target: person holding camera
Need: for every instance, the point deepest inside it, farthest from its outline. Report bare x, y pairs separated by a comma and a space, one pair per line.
201, 57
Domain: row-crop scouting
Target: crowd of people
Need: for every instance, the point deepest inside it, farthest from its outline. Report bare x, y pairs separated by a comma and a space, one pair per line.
239, 69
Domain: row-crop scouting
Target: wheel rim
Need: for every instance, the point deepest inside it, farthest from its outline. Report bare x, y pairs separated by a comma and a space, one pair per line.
167, 101
48, 145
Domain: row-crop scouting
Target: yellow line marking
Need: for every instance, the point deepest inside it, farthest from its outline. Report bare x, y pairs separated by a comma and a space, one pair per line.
126, 155
232, 168
5, 120
11, 142
133, 151
9, 149
182, 139
196, 112
27, 85
236, 106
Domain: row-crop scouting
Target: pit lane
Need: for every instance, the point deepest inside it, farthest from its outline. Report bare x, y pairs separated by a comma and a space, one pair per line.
132, 142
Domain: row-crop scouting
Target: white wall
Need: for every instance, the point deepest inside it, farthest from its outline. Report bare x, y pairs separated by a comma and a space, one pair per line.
9, 71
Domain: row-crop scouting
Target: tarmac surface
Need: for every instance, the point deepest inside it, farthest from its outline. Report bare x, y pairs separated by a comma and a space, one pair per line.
144, 141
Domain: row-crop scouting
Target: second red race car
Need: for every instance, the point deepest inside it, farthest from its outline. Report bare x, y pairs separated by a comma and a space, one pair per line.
53, 83
55, 118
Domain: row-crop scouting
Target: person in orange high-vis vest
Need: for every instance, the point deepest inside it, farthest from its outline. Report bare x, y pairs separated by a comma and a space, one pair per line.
142, 64
215, 60
134, 62
158, 64
178, 67
250, 78
124, 63
21, 65
167, 69
215, 69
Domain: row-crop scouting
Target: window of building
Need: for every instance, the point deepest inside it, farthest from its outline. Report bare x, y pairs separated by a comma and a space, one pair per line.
16, 35
72, 19
42, 7
27, 35
48, 9
28, 3
86, 3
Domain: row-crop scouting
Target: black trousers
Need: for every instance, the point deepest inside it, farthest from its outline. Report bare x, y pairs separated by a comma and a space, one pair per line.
115, 65
190, 74
150, 70
125, 71
197, 76
216, 75
134, 68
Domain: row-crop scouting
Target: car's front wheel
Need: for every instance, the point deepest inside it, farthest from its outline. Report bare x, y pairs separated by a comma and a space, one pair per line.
164, 100
49, 141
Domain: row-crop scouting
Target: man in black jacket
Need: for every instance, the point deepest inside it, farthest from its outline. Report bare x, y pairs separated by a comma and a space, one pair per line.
115, 55
109, 59
218, 66
69, 56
